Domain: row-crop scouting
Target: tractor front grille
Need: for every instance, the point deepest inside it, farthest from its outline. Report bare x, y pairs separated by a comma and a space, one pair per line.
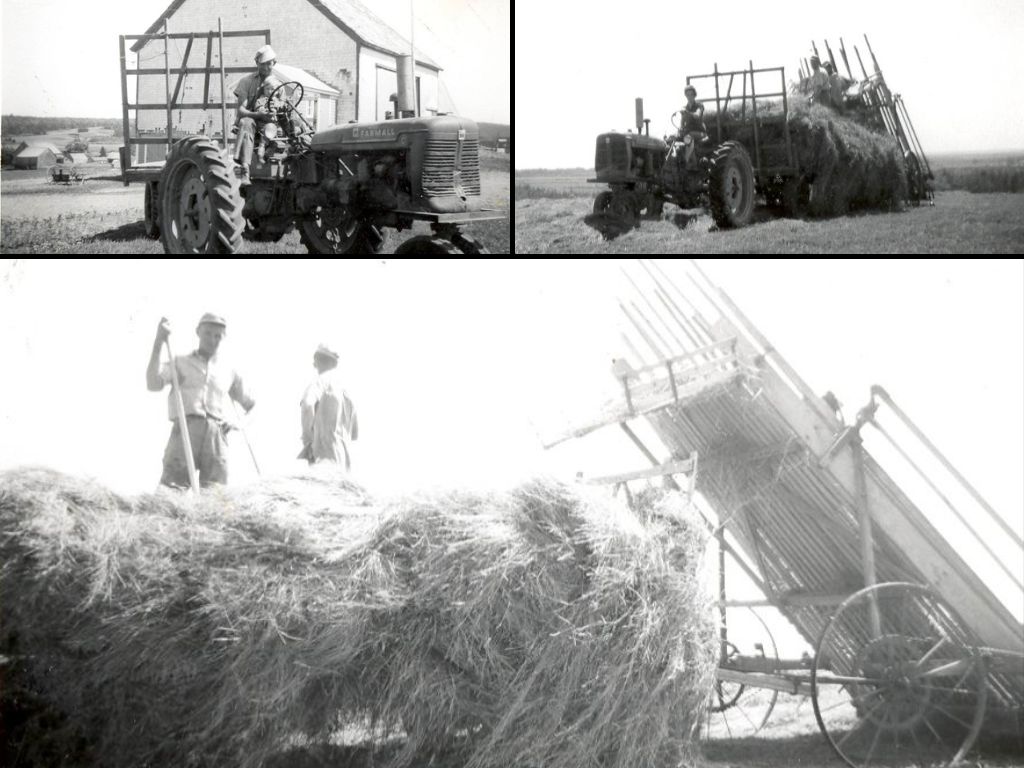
612, 154
451, 167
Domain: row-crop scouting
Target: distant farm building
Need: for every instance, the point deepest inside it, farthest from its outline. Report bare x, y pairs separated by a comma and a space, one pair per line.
35, 156
348, 55
78, 158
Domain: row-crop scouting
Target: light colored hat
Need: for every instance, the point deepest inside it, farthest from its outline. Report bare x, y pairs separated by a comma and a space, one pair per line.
327, 351
265, 54
213, 319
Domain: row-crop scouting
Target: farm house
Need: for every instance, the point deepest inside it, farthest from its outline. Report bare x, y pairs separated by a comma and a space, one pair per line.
35, 156
339, 44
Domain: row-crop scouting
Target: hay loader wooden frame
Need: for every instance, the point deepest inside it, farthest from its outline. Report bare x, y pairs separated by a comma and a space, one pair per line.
845, 527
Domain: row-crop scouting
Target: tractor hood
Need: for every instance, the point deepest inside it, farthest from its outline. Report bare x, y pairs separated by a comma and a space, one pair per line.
388, 134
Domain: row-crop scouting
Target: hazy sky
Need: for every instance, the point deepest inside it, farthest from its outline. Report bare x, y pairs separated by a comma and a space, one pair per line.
60, 58
456, 367
579, 67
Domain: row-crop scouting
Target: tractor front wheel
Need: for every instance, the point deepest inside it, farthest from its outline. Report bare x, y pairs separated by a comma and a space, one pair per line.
335, 230
427, 245
201, 207
151, 216
731, 186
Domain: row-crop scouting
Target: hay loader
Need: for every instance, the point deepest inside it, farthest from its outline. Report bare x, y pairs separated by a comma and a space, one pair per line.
885, 111
340, 187
858, 532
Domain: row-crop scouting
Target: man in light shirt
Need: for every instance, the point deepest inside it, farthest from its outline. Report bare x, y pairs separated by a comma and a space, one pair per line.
207, 384
818, 86
329, 421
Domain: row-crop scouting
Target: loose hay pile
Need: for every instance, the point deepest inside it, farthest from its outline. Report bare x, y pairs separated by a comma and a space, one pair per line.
542, 627
847, 165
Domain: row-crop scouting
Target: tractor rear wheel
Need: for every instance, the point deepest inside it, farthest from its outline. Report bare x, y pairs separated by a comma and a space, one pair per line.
151, 206
731, 185
201, 207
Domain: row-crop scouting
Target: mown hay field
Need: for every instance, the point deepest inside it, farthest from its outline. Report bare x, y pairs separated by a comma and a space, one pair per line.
551, 205
103, 216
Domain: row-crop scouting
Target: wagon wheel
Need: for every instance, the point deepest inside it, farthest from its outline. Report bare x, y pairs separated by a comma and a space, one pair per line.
731, 185
736, 709
898, 679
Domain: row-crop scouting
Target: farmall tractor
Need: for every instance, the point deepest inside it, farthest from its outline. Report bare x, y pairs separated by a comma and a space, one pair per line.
691, 171
340, 187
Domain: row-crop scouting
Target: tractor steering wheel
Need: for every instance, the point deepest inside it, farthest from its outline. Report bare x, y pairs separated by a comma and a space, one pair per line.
289, 94
294, 85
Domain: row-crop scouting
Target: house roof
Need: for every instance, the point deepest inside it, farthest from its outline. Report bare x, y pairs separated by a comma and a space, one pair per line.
35, 150
78, 157
350, 15
370, 29
286, 73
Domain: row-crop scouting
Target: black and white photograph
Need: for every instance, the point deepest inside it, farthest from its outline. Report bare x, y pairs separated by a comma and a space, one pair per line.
256, 127
398, 513
802, 126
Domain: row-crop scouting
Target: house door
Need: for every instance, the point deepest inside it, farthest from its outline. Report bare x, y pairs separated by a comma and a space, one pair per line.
387, 84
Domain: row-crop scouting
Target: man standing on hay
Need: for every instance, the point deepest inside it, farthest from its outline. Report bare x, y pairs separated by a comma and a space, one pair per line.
206, 383
329, 420
818, 86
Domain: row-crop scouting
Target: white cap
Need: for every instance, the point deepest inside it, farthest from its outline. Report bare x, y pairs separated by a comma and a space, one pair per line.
327, 351
265, 54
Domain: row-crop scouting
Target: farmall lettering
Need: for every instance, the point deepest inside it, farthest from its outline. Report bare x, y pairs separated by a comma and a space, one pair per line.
373, 133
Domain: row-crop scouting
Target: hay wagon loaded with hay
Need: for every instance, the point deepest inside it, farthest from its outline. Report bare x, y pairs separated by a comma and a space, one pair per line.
861, 533
766, 139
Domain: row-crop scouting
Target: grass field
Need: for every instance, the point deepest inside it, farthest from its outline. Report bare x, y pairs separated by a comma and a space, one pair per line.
551, 205
103, 216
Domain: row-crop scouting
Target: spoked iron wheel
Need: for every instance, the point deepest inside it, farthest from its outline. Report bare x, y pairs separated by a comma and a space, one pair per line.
737, 710
898, 679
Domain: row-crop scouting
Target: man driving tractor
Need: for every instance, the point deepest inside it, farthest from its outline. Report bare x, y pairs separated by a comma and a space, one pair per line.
260, 85
691, 121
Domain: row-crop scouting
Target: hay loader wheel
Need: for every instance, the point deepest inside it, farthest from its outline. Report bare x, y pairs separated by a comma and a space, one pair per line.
898, 679
200, 203
151, 206
736, 710
916, 190
731, 185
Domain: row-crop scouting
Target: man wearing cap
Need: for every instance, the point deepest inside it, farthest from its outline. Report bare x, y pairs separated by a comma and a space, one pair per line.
329, 421
817, 84
207, 383
247, 91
